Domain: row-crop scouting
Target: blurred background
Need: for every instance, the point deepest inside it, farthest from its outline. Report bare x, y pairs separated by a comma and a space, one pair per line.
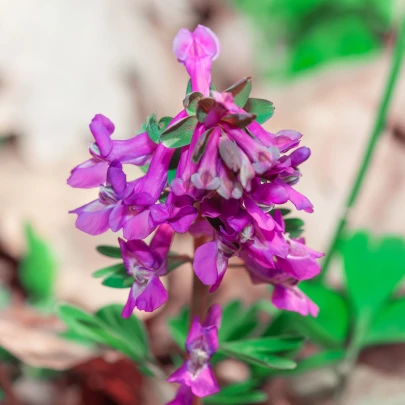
322, 63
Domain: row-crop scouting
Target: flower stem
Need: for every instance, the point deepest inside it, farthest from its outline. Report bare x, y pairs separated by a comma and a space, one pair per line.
397, 59
199, 300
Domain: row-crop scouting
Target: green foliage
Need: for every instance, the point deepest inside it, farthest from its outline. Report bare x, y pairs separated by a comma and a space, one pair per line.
241, 91
180, 133
365, 313
109, 251
237, 394
155, 128
314, 32
38, 268
263, 109
107, 327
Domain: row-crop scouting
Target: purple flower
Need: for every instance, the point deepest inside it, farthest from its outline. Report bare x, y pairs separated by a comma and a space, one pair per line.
286, 295
91, 173
94, 217
146, 264
196, 50
201, 344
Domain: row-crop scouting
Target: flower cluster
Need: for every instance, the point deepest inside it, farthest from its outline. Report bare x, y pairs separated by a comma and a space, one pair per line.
212, 169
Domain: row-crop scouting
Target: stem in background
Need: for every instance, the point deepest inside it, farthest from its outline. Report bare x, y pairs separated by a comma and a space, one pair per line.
199, 300
379, 124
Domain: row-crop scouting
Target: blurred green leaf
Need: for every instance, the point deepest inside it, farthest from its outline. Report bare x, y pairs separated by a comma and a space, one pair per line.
329, 331
110, 270
180, 133
265, 345
263, 109
118, 281
316, 361
38, 268
259, 359
110, 251
105, 327
237, 394
237, 321
373, 270
389, 324
5, 297
294, 226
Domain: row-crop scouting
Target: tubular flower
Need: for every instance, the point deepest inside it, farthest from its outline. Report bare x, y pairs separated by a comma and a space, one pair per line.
196, 372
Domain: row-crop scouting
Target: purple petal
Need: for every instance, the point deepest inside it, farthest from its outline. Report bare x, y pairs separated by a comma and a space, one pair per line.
102, 128
145, 297
264, 220
136, 253
270, 193
138, 226
183, 220
301, 261
93, 217
205, 263
292, 299
182, 43
116, 177
137, 151
300, 201
181, 375
161, 241
119, 215
214, 316
299, 156
196, 331
89, 174
208, 41
204, 383
159, 214
287, 139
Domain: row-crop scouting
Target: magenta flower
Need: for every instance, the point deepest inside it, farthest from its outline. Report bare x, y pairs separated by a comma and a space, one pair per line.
196, 373
146, 264
196, 50
94, 217
92, 172
286, 295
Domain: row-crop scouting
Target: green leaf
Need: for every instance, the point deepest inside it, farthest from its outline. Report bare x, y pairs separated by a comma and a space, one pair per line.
263, 109
265, 345
110, 270
190, 102
259, 359
118, 281
388, 325
237, 394
319, 360
204, 106
38, 268
201, 145
237, 321
130, 328
152, 128
294, 226
106, 328
180, 133
189, 87
164, 123
373, 270
110, 251
241, 91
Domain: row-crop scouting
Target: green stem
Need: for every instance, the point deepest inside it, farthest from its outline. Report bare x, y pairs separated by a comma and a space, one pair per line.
379, 124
